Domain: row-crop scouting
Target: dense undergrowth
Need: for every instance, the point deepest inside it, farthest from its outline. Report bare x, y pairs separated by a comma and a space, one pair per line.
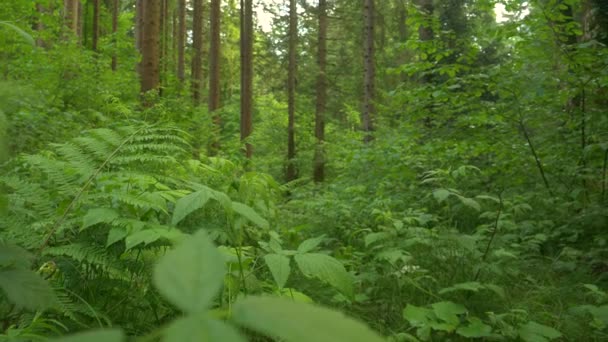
478, 212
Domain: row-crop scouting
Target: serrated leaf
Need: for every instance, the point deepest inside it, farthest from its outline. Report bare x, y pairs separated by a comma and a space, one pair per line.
294, 295
326, 269
106, 335
486, 197
14, 256
475, 329
472, 286
279, 267
98, 215
299, 322
190, 203
250, 214
26, 289
191, 275
310, 244
448, 311
535, 332
469, 202
417, 316
148, 236
115, 235
441, 195
195, 329
375, 237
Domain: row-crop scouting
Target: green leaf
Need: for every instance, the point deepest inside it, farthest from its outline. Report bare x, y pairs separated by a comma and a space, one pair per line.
190, 203
191, 275
441, 195
310, 244
448, 311
250, 214
326, 269
115, 235
475, 329
26, 289
14, 256
299, 322
26, 36
375, 237
148, 236
472, 286
106, 335
194, 329
535, 332
98, 215
469, 202
417, 316
490, 198
294, 295
279, 267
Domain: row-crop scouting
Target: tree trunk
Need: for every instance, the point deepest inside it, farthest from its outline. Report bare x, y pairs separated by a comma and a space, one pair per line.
140, 8
115, 12
95, 37
197, 45
214, 71
370, 71
426, 31
39, 27
70, 15
181, 42
291, 173
319, 159
164, 47
246, 74
151, 55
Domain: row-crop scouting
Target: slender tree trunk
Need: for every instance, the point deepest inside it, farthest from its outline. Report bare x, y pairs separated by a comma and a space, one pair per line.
95, 38
402, 17
151, 55
181, 42
214, 71
370, 71
247, 73
139, 24
291, 173
115, 12
164, 46
319, 159
197, 58
426, 31
39, 25
70, 15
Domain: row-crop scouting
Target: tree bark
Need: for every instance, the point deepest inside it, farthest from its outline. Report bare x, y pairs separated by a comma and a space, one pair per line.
95, 36
214, 71
115, 12
426, 31
370, 71
139, 24
181, 42
319, 158
70, 15
150, 77
197, 45
247, 74
291, 173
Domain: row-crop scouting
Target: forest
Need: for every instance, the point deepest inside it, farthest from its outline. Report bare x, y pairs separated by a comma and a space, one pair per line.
303, 170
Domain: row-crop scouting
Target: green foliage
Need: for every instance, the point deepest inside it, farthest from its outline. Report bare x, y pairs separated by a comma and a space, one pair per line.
478, 212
